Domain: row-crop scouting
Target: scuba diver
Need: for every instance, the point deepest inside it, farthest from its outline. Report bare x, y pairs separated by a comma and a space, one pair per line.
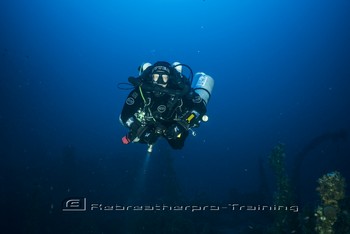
163, 104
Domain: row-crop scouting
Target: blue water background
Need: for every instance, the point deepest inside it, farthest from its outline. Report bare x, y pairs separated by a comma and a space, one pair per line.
281, 70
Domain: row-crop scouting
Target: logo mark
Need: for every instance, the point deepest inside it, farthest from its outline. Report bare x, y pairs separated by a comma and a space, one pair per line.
74, 204
130, 101
161, 108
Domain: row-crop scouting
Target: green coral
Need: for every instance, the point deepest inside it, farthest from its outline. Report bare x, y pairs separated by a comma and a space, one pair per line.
332, 190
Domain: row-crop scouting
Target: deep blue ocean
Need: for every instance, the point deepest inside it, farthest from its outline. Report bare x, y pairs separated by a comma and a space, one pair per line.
282, 76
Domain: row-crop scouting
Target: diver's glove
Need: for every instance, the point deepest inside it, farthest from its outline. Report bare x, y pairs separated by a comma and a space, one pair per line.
125, 139
175, 131
134, 135
129, 137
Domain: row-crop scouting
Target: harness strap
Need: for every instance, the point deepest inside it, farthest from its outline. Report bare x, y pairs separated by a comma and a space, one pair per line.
145, 104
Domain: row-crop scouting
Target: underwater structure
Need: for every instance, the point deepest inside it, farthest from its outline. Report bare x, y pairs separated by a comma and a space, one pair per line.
331, 189
341, 135
277, 162
284, 221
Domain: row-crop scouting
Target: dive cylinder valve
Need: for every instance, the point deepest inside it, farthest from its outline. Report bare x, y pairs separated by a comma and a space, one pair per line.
177, 66
204, 85
143, 67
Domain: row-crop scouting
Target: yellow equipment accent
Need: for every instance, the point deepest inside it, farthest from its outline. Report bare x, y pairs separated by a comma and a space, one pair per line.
189, 118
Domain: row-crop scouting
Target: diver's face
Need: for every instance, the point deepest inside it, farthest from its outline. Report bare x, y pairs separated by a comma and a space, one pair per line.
160, 79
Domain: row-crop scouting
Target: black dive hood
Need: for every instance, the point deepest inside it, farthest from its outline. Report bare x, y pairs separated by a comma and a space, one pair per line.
153, 87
